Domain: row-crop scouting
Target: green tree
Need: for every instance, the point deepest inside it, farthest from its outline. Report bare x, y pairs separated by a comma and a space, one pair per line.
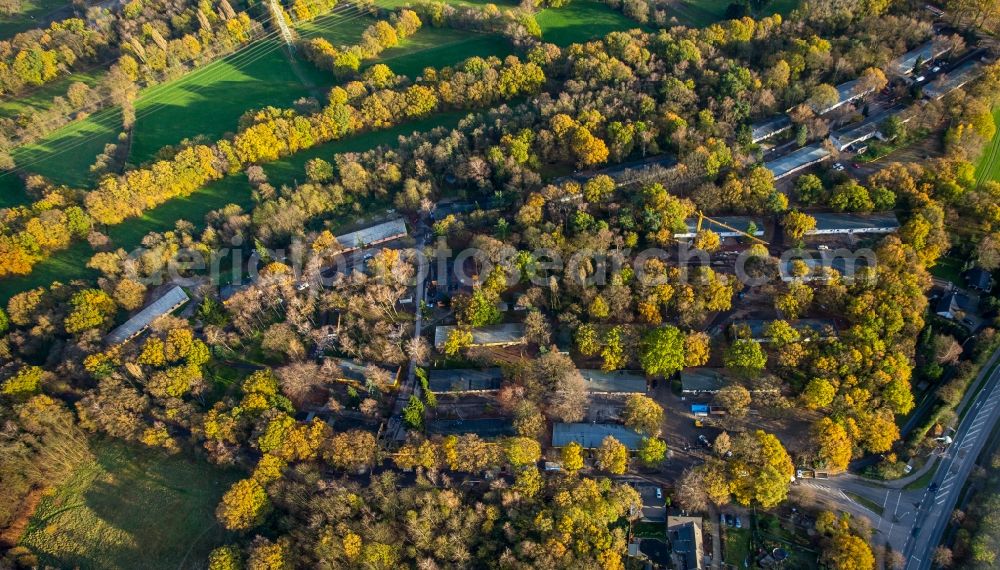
746, 356
662, 351
413, 413
652, 451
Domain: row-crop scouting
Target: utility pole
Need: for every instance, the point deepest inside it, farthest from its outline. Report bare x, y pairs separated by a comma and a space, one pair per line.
278, 16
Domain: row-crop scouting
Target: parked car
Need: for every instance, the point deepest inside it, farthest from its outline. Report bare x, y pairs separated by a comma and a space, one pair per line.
730, 521
739, 523
921, 79
838, 167
704, 441
659, 493
933, 488
936, 68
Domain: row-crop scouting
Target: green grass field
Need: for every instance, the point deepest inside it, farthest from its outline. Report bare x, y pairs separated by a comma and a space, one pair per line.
701, 13
393, 4
70, 263
989, 165
581, 21
40, 98
131, 508
31, 15
949, 269
736, 546
210, 100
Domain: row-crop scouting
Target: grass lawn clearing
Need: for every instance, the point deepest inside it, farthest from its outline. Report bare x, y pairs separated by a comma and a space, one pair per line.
650, 530
923, 480
131, 507
988, 167
71, 263
40, 98
32, 15
949, 269
581, 21
736, 545
702, 13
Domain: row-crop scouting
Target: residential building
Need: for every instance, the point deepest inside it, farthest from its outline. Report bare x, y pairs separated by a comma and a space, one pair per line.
590, 436
615, 382
955, 305
836, 223
768, 128
847, 92
486, 428
925, 53
954, 79
456, 380
685, 537
490, 335
696, 381
979, 279
165, 304
797, 160
718, 225
809, 329
380, 233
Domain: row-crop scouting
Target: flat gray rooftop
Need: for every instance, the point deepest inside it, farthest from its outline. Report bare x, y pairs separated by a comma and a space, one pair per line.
615, 382
954, 79
738, 222
464, 379
173, 298
796, 160
702, 380
510, 333
374, 234
769, 127
590, 436
903, 65
854, 222
487, 428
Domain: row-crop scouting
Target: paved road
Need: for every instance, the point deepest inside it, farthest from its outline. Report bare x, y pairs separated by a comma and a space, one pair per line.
935, 510
396, 429
912, 521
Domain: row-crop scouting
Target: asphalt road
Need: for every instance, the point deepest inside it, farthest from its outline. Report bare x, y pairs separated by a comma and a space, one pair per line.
912, 521
935, 510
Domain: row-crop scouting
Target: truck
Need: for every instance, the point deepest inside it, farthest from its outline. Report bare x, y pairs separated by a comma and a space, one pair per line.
716, 410
700, 410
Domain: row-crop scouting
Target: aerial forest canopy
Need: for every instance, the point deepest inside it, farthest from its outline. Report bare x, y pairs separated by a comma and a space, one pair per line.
245, 313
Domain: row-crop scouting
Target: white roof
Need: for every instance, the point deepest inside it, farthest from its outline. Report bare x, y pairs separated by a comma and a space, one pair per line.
166, 303
374, 234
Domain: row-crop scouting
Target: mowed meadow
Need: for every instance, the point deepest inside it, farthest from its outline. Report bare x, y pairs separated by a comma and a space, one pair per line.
209, 101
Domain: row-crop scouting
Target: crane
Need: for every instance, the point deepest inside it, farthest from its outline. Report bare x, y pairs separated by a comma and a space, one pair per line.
702, 217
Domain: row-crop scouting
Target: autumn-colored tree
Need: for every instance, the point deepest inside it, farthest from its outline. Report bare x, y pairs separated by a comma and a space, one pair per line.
735, 399
697, 348
797, 224
643, 414
834, 445
521, 451
90, 309
243, 506
612, 456
572, 457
